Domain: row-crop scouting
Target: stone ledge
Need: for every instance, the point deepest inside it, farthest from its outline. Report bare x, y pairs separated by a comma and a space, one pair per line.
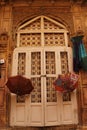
42, 128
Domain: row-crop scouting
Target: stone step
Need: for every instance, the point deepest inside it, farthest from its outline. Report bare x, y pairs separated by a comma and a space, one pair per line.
40, 128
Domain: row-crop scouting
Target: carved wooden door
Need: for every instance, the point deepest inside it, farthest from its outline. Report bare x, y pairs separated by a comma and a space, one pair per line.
44, 106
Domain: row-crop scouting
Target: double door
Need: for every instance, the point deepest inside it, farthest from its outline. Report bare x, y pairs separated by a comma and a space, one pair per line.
44, 106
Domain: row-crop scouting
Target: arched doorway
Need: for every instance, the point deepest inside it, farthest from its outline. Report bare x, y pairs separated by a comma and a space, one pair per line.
42, 53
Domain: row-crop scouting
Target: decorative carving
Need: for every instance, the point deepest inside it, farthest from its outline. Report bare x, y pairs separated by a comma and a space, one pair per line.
84, 77
1, 97
84, 94
9, 58
79, 1
84, 117
3, 41
2, 82
24, 13
2, 119
3, 2
30, 1
52, 1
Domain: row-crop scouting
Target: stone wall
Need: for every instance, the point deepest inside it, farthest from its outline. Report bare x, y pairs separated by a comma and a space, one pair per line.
72, 15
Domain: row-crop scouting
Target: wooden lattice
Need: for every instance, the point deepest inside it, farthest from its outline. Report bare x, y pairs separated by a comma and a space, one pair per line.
50, 25
35, 25
36, 94
64, 62
21, 63
50, 91
35, 63
54, 39
41, 32
30, 39
50, 63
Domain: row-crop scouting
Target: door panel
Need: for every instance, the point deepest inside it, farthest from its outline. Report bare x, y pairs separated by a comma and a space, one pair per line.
44, 106
36, 101
67, 113
51, 104
18, 103
20, 109
68, 100
36, 116
67, 109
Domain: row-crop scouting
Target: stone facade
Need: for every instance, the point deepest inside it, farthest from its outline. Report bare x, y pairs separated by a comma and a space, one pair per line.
14, 13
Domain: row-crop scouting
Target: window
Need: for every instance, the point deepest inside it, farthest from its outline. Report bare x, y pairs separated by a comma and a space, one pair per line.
42, 53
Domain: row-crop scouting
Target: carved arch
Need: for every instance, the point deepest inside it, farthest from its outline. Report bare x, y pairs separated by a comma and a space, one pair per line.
57, 19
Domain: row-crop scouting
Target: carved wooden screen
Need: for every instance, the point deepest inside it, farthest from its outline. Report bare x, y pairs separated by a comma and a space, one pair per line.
42, 31
21, 63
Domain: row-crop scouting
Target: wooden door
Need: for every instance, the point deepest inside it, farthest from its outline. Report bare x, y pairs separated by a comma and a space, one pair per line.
19, 103
44, 106
52, 99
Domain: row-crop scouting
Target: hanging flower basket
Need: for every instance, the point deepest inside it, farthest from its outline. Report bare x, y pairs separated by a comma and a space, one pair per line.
66, 82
